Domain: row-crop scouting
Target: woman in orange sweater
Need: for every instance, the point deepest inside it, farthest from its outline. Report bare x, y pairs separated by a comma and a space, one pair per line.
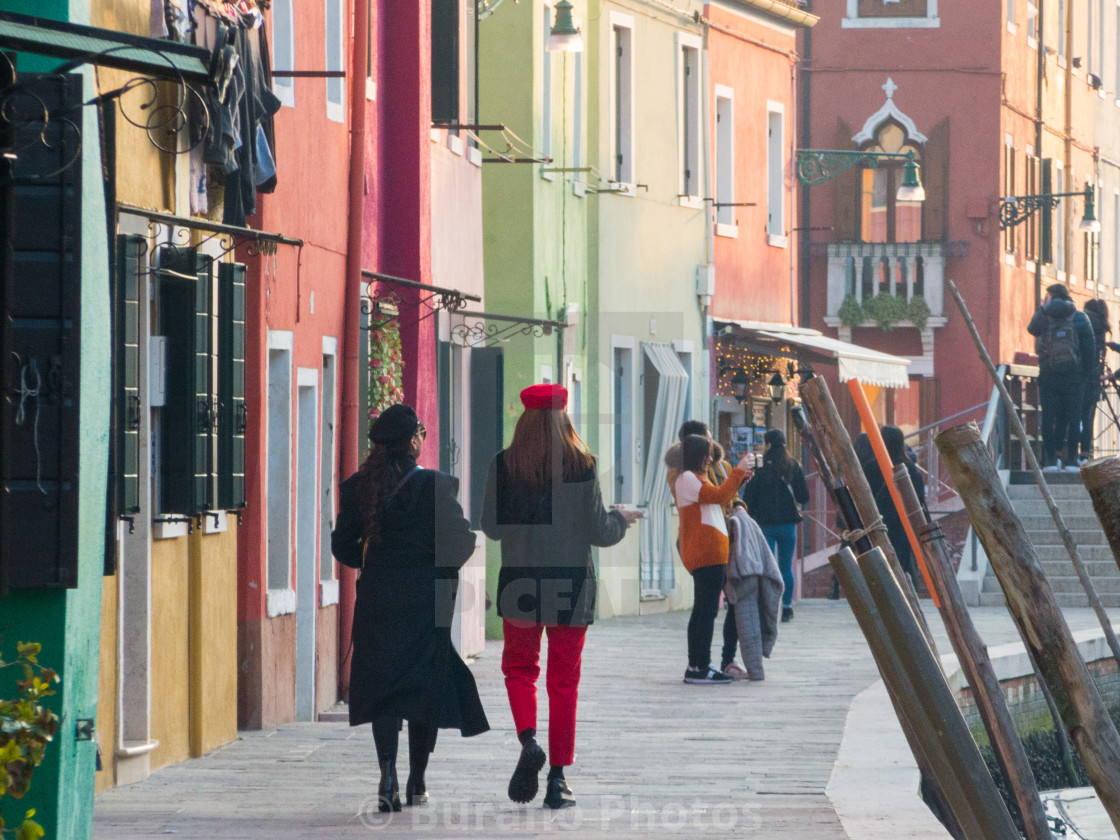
703, 545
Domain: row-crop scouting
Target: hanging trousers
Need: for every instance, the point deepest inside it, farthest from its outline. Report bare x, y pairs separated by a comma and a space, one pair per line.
521, 665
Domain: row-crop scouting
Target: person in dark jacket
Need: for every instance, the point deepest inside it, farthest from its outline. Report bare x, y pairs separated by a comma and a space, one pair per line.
403, 527
1096, 310
544, 505
773, 495
1060, 389
894, 441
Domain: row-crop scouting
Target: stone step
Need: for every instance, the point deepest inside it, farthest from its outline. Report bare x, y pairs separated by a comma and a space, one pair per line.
1049, 537
1089, 554
1058, 491
1044, 522
1109, 600
1094, 568
1068, 507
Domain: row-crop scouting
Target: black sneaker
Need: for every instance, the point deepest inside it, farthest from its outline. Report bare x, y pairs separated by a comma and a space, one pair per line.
787, 613
706, 676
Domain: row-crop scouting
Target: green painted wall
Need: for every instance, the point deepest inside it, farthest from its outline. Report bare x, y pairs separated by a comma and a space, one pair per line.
534, 222
67, 622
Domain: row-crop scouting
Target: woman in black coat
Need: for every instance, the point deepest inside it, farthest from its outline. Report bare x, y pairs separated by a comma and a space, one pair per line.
543, 503
403, 527
895, 443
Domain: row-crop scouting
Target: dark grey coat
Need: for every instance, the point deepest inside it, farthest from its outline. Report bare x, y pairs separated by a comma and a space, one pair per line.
404, 664
547, 574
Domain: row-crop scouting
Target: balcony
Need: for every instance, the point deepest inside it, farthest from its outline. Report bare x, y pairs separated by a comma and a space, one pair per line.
906, 269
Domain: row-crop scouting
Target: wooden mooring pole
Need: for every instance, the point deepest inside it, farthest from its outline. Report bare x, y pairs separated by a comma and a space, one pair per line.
969, 803
973, 657
1035, 610
1040, 480
1102, 480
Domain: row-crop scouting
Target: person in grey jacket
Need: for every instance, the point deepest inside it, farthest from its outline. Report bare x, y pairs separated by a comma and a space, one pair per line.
1063, 368
544, 504
754, 585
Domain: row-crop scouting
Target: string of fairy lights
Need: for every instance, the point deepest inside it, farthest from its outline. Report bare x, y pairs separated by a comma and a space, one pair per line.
732, 359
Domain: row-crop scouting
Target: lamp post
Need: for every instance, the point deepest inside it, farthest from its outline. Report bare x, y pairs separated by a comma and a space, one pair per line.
564, 35
1014, 209
817, 166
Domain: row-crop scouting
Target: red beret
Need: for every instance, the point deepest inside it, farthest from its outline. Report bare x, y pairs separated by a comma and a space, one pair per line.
544, 396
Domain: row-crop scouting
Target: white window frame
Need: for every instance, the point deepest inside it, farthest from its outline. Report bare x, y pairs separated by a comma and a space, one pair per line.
621, 103
1062, 32
1011, 26
930, 21
546, 89
625, 457
579, 187
689, 91
1032, 24
328, 475
336, 110
285, 87
724, 134
281, 599
776, 233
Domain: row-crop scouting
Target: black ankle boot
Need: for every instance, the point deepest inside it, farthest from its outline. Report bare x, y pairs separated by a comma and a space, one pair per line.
389, 791
557, 793
415, 791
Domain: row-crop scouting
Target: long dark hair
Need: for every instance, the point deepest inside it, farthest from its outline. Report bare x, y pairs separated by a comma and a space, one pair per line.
775, 455
694, 449
543, 440
378, 477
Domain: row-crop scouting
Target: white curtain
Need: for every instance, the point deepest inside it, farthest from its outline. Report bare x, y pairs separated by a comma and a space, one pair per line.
658, 531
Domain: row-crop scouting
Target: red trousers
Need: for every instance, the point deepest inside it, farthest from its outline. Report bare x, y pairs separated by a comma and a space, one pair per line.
521, 666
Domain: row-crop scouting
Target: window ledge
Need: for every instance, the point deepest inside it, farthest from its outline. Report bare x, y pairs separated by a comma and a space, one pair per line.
474, 155
1090, 285
455, 144
371, 90
893, 23
165, 530
215, 522
730, 231
1032, 43
692, 202
1009, 257
336, 112
622, 188
1012, 28
328, 594
579, 189
547, 176
1116, 292
1030, 266
775, 241
280, 602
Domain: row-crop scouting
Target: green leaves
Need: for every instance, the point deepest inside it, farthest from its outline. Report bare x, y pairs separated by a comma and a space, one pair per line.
885, 309
26, 727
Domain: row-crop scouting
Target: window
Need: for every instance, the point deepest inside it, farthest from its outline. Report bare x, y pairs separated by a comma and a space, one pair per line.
284, 50
1030, 171
335, 56
1116, 239
892, 14
546, 85
623, 422
725, 157
882, 217
233, 420
1092, 258
1062, 29
1011, 15
1009, 190
445, 61
327, 472
1090, 66
1032, 24
279, 480
1060, 223
622, 97
577, 117
688, 135
775, 174
1100, 41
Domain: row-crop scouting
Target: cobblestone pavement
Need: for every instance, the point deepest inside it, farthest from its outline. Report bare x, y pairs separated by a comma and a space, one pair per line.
654, 757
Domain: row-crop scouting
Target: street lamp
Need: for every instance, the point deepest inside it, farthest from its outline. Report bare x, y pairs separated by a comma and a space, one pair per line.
1014, 209
777, 387
816, 166
740, 385
564, 35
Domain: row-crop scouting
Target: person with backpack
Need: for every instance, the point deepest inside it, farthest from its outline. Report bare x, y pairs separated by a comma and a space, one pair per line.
1096, 310
1065, 346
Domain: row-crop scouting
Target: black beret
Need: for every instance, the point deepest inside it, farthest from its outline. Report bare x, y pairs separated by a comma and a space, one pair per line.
396, 424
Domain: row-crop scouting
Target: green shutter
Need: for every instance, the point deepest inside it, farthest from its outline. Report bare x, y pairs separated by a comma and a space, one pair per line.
189, 415
233, 413
127, 405
1046, 217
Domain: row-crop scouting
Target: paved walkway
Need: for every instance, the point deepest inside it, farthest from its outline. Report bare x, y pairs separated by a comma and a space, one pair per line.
654, 756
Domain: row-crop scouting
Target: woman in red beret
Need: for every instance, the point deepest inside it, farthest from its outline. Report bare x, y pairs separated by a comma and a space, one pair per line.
543, 503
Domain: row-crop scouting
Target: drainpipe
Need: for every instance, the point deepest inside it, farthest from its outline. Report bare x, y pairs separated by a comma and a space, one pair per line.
709, 220
804, 239
1067, 239
350, 421
1039, 71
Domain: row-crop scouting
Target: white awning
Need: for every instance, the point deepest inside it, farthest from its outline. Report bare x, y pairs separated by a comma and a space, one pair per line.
871, 367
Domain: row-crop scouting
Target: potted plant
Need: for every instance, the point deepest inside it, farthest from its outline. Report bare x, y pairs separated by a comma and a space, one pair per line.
26, 727
885, 309
851, 313
918, 311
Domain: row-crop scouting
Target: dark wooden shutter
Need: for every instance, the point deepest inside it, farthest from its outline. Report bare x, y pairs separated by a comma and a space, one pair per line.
445, 61
127, 399
487, 420
233, 413
1046, 216
845, 192
935, 180
188, 417
40, 327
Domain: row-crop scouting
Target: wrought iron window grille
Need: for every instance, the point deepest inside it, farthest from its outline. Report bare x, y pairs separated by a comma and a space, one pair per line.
381, 306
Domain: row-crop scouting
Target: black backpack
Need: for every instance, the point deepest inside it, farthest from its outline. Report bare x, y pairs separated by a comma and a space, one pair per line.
1059, 350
